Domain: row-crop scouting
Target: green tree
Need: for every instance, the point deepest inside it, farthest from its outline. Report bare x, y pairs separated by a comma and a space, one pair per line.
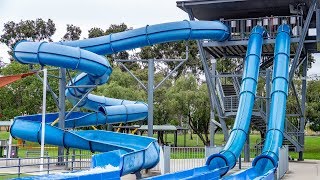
23, 96
73, 33
37, 30
313, 105
115, 28
174, 50
190, 99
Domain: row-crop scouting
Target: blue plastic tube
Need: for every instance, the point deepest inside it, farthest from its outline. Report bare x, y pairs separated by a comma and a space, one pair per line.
84, 55
239, 132
269, 156
134, 153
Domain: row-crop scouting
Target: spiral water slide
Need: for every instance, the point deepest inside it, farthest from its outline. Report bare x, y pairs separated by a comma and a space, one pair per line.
128, 153
264, 165
218, 165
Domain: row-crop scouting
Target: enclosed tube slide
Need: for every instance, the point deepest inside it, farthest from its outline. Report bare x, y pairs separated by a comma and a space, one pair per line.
270, 154
132, 153
219, 164
265, 164
239, 133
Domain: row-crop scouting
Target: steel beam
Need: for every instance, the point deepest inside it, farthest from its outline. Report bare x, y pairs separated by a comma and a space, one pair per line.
302, 39
53, 94
62, 110
150, 96
303, 106
212, 116
174, 70
318, 26
268, 92
241, 42
135, 77
212, 95
247, 149
295, 93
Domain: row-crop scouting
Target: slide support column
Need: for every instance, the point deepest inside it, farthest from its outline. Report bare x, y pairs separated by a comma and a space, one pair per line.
247, 149
212, 126
62, 110
303, 106
150, 96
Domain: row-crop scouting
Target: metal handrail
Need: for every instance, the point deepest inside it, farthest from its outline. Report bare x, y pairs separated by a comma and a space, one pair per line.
220, 93
241, 28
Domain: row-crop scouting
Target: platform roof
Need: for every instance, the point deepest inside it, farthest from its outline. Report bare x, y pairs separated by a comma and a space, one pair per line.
234, 9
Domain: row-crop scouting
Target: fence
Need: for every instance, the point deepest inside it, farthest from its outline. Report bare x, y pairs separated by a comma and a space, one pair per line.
26, 166
172, 159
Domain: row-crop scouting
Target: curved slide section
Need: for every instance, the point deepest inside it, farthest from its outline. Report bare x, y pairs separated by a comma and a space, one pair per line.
218, 165
132, 153
265, 164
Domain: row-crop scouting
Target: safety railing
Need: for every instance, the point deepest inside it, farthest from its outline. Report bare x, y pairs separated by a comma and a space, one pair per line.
292, 131
241, 28
182, 158
20, 167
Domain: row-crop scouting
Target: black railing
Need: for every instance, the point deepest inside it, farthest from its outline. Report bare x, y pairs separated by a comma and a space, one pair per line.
241, 28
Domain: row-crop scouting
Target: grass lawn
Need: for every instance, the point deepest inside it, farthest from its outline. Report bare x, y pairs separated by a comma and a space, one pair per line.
4, 176
312, 146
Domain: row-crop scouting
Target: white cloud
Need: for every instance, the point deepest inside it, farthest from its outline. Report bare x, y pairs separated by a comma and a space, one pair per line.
89, 13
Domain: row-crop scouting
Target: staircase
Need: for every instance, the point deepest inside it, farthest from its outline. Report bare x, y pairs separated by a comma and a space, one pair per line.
291, 137
229, 98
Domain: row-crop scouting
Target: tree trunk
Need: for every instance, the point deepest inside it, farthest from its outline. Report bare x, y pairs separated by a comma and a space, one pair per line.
196, 130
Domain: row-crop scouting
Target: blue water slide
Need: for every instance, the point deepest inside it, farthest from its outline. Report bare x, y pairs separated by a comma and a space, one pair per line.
218, 165
265, 164
270, 154
239, 133
127, 152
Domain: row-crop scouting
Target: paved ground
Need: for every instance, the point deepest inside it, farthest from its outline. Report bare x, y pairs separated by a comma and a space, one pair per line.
305, 170
308, 169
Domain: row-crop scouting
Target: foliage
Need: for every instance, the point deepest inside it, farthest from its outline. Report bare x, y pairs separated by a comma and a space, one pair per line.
37, 30
23, 96
121, 85
190, 99
73, 33
174, 50
113, 28
313, 105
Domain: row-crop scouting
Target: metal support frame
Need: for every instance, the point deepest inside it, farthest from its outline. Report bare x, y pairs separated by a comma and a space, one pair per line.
76, 105
246, 149
151, 87
302, 40
53, 94
268, 91
150, 96
212, 95
318, 25
295, 93
303, 107
212, 125
62, 110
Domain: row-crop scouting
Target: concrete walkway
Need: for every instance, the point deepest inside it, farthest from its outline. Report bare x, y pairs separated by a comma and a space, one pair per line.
308, 169
305, 170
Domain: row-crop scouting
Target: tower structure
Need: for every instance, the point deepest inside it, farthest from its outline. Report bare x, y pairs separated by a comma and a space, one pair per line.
241, 16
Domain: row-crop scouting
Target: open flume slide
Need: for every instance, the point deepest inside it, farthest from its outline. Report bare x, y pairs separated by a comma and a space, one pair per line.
266, 163
218, 165
127, 153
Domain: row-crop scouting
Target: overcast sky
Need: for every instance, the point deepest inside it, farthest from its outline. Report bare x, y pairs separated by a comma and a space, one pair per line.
94, 13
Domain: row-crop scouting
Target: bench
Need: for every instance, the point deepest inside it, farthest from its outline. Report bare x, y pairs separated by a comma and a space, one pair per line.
36, 153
